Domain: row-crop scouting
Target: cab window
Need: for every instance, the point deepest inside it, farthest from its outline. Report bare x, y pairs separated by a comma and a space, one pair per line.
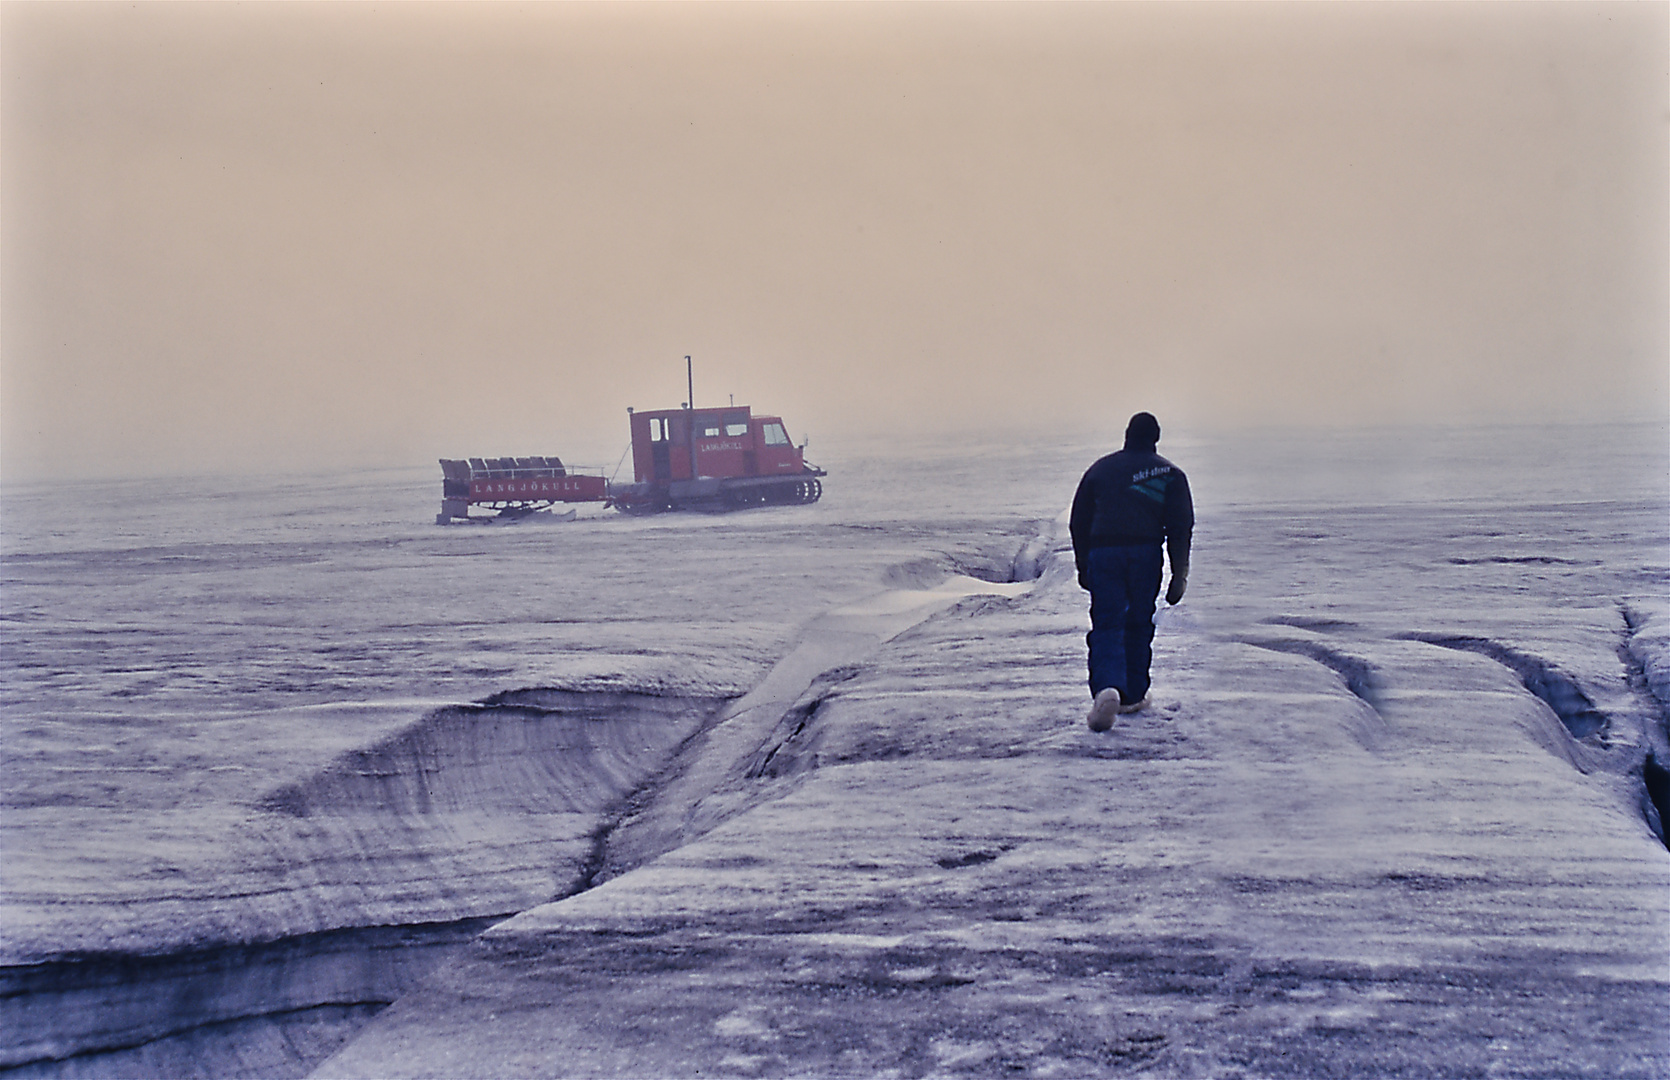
775, 435
709, 427
736, 424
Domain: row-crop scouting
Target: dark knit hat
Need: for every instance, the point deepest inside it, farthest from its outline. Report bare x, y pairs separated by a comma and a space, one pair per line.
1143, 432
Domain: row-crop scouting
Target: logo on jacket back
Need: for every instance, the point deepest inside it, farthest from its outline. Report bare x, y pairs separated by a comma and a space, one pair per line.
1152, 483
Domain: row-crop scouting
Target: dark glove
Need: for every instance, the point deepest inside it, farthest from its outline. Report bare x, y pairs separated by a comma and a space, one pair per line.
1179, 582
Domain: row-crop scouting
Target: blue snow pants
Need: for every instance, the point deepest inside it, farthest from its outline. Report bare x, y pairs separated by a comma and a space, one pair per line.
1124, 581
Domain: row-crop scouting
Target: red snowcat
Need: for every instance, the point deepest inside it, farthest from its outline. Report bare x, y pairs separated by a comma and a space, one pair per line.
695, 459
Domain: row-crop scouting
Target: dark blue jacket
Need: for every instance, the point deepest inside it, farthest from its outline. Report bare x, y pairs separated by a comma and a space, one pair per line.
1134, 496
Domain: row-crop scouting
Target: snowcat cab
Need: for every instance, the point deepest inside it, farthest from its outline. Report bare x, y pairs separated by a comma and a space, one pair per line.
714, 459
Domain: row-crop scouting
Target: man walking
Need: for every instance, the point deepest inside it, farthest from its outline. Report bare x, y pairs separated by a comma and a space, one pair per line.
1128, 505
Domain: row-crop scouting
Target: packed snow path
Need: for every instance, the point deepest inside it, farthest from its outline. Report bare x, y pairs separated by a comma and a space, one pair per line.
1371, 856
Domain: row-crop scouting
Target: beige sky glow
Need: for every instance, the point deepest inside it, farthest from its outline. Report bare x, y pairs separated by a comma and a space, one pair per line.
264, 235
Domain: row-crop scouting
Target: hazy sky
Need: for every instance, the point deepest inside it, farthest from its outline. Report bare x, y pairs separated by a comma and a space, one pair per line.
267, 235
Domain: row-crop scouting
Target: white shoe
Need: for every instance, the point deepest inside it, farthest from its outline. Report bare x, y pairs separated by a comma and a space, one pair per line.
1138, 705
1102, 712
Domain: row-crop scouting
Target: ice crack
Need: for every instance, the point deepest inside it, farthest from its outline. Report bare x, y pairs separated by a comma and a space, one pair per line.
1360, 677
83, 1007
1637, 660
520, 762
1578, 713
1548, 683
